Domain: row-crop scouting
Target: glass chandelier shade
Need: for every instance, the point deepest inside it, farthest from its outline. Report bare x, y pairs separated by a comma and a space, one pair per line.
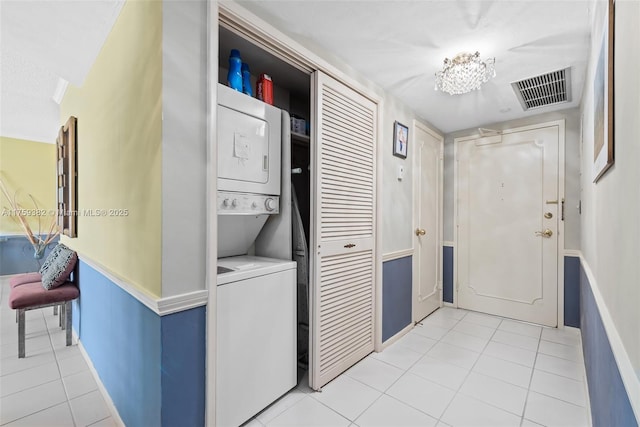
464, 73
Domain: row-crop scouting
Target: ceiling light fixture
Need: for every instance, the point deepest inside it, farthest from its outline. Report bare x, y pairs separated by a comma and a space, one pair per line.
464, 73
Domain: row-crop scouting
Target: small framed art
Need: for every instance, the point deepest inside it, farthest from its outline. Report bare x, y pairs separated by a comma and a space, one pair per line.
400, 140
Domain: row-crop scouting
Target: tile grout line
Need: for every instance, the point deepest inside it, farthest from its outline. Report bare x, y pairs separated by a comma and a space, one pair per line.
533, 371
48, 382
384, 393
64, 386
469, 373
439, 340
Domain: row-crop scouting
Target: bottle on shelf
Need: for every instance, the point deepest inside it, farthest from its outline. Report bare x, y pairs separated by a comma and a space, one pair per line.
246, 79
234, 76
264, 89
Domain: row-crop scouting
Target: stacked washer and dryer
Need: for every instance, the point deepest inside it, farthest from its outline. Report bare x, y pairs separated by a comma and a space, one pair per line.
256, 296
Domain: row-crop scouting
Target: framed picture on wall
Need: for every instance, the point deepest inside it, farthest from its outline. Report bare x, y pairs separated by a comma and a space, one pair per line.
603, 136
66, 167
400, 140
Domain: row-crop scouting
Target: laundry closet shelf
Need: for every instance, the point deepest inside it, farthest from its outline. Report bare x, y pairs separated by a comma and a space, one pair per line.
298, 137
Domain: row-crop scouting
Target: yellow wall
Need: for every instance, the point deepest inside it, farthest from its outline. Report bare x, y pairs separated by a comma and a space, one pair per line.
120, 148
28, 167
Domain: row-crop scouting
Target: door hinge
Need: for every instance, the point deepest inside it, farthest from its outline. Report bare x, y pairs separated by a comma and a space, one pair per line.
562, 210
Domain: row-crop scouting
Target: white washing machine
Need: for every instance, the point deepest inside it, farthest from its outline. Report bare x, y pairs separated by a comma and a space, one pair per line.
256, 333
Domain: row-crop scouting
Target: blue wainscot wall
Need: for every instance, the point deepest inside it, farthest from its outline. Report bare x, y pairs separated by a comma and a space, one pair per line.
447, 274
152, 366
572, 291
16, 255
610, 405
396, 296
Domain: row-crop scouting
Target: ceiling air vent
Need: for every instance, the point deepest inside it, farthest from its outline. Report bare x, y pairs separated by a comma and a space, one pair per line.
546, 89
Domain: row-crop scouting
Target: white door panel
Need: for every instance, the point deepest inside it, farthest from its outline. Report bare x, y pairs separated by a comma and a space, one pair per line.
428, 258
342, 247
504, 265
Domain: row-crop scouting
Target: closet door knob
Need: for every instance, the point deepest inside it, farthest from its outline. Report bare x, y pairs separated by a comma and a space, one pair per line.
420, 232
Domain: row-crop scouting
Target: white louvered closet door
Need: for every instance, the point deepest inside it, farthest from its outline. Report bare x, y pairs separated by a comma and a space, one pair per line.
342, 250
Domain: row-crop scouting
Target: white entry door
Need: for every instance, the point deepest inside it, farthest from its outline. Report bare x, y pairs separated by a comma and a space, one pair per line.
342, 250
507, 219
427, 259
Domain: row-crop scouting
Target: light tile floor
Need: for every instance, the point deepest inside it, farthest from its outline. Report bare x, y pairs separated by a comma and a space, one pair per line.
458, 368
52, 385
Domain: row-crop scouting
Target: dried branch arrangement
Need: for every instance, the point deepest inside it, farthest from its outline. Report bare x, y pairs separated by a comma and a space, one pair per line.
20, 214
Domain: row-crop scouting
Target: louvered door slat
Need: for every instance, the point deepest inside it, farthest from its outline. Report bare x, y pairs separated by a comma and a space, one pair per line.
345, 200
349, 156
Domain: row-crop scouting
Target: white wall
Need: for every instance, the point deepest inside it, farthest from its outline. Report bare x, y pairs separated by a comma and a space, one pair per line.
611, 207
184, 153
572, 170
397, 196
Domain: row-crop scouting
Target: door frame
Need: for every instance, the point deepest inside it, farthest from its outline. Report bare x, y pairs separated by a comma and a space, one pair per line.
561, 196
235, 17
415, 283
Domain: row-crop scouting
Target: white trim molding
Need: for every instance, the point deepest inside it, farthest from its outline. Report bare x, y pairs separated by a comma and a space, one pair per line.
390, 256
629, 377
160, 306
182, 302
572, 253
448, 243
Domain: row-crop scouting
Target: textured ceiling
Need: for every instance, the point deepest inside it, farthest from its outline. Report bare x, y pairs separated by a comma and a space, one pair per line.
397, 44
41, 42
401, 44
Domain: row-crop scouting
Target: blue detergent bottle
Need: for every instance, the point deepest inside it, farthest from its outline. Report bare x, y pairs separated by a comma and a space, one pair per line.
246, 79
234, 76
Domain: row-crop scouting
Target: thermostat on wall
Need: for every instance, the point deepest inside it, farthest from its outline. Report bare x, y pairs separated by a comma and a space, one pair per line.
400, 172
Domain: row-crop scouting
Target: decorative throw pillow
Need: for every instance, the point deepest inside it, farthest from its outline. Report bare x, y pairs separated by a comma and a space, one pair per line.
50, 258
60, 268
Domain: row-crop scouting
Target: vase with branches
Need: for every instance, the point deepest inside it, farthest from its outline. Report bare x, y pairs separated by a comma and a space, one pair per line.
20, 214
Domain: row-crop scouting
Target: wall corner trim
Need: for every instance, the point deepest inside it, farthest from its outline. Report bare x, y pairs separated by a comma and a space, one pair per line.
629, 378
160, 306
176, 303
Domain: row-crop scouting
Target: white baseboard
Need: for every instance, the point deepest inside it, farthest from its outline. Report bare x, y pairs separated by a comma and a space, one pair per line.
112, 408
397, 336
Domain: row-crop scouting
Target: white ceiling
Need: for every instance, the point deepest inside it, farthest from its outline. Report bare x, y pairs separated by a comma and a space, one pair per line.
401, 44
397, 44
40, 43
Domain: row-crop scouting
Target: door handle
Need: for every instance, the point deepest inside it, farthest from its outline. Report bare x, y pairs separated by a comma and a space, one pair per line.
546, 233
420, 232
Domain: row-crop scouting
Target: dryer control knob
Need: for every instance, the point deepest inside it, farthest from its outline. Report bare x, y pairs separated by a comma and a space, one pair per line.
254, 205
270, 204
226, 203
234, 203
